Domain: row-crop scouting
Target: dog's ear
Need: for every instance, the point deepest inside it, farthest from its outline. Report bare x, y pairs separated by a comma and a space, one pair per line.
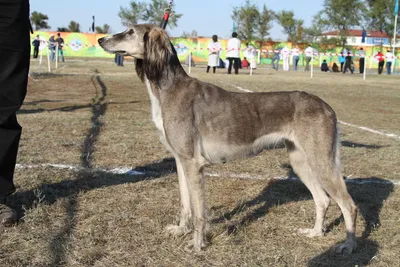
157, 52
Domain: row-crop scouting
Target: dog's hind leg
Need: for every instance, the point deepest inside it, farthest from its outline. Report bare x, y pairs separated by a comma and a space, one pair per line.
299, 163
336, 188
196, 184
185, 224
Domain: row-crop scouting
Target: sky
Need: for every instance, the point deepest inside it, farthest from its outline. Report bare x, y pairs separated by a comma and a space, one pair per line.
207, 17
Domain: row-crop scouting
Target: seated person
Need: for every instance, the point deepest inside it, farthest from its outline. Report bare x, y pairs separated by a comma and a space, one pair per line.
245, 63
335, 67
324, 66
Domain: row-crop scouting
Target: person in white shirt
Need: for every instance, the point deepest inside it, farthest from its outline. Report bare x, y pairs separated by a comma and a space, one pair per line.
285, 57
389, 59
214, 49
309, 54
250, 53
295, 57
233, 54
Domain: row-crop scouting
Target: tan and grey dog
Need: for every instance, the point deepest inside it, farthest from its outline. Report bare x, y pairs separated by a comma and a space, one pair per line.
202, 124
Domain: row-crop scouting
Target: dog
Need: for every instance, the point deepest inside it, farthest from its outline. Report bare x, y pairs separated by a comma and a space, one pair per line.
202, 124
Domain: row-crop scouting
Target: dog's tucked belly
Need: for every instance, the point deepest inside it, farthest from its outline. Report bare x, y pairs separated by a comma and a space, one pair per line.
215, 150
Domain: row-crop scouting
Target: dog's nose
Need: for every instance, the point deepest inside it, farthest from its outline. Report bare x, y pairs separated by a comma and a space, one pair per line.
100, 40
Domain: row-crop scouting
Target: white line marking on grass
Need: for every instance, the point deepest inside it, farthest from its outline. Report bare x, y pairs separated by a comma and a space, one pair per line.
248, 176
395, 136
371, 130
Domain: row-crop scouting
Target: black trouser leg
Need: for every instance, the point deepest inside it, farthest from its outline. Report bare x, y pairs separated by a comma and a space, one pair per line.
214, 69
362, 62
208, 69
230, 60
15, 50
236, 65
36, 52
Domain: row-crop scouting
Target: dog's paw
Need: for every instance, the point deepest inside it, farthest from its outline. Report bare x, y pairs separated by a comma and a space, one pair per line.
195, 245
310, 232
177, 230
346, 248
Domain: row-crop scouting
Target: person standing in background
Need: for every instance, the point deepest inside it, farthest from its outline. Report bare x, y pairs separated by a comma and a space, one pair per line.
250, 54
233, 54
285, 58
361, 54
276, 57
15, 50
348, 63
295, 57
36, 44
309, 55
60, 43
214, 49
342, 60
52, 46
381, 61
389, 59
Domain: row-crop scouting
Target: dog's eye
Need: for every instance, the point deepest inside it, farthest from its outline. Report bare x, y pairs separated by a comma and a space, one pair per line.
130, 31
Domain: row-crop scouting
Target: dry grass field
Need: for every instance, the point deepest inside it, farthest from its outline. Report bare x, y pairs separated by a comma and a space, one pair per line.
90, 117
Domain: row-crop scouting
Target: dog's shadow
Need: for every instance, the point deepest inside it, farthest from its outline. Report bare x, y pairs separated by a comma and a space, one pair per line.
369, 194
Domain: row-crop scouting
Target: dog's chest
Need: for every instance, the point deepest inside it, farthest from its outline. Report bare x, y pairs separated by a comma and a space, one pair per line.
156, 111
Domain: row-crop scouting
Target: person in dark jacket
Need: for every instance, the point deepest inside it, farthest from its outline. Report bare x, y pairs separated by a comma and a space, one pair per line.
36, 44
15, 49
348, 63
324, 66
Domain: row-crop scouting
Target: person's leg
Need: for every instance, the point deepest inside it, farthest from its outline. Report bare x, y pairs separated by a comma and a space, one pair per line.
62, 55
273, 62
341, 66
389, 67
15, 50
236, 65
230, 60
362, 62
308, 59
208, 68
214, 69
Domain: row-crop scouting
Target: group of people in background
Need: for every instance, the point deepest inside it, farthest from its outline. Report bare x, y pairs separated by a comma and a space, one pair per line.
347, 64
54, 45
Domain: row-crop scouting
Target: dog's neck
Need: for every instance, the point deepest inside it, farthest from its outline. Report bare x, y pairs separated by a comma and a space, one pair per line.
161, 74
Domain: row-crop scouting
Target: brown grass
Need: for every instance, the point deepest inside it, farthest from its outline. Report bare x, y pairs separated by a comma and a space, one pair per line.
99, 118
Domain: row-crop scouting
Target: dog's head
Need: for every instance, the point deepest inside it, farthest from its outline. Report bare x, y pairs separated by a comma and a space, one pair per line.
155, 56
134, 41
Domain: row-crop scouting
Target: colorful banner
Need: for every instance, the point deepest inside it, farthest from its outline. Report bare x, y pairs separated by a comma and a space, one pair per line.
85, 45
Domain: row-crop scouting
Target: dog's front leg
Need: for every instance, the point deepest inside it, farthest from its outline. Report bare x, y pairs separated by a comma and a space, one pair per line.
196, 184
185, 225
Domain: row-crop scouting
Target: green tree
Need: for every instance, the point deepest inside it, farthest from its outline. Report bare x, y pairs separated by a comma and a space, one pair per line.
152, 12
62, 29
246, 18
379, 16
105, 29
74, 26
291, 26
342, 15
187, 34
39, 20
265, 23
252, 23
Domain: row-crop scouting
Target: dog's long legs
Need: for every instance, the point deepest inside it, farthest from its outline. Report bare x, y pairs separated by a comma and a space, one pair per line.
336, 188
196, 184
298, 160
185, 225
